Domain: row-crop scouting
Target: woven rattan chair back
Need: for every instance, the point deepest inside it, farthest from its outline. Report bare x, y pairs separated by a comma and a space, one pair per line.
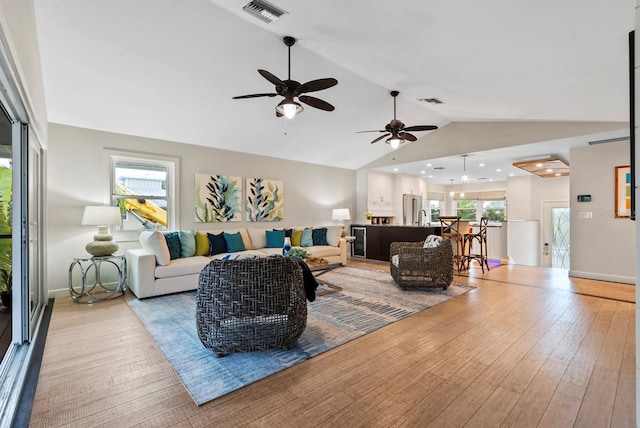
250, 305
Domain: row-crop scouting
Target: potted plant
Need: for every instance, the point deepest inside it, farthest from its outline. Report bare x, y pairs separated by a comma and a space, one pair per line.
6, 281
298, 252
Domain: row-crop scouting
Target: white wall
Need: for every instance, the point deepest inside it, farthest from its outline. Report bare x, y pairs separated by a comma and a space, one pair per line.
18, 26
602, 247
78, 175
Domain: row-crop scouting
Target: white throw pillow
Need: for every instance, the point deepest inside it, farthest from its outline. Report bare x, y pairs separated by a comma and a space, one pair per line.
432, 241
154, 242
258, 238
333, 235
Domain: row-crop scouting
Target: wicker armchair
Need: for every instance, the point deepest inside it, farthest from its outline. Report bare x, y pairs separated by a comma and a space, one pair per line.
422, 267
250, 305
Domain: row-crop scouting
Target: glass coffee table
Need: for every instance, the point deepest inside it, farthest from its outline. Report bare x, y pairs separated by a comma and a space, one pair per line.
319, 268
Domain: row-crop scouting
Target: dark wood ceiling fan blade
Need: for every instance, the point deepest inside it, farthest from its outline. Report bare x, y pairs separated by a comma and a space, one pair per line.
254, 96
407, 136
317, 85
377, 130
420, 128
316, 102
380, 138
271, 78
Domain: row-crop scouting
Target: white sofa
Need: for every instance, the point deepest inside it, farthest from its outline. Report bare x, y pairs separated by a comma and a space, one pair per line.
147, 277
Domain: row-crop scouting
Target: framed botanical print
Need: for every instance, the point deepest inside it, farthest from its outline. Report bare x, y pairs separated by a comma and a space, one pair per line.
623, 191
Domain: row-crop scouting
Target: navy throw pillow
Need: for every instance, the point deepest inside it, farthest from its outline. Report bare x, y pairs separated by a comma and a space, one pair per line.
319, 236
287, 232
217, 244
173, 242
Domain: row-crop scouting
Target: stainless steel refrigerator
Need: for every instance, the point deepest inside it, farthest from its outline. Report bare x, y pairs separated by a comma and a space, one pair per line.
411, 206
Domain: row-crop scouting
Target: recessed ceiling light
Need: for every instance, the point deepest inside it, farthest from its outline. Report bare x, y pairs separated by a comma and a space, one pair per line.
549, 170
498, 170
481, 164
431, 176
423, 172
511, 175
395, 169
428, 164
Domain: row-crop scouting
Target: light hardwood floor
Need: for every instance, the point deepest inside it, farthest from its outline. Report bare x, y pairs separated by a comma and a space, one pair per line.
522, 349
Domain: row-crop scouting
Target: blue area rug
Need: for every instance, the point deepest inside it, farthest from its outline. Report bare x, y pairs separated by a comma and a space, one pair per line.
369, 299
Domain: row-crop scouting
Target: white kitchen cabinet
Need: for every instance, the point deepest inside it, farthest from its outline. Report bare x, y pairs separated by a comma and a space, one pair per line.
380, 194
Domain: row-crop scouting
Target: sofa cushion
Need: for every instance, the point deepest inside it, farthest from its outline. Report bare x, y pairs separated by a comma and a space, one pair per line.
275, 238
307, 238
153, 241
182, 267
202, 244
217, 244
296, 237
174, 245
234, 242
258, 238
333, 235
188, 243
248, 253
319, 236
323, 251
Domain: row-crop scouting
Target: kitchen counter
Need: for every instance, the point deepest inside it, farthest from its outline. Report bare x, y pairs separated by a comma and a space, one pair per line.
378, 237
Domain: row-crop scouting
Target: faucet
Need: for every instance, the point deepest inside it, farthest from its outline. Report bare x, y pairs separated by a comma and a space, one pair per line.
420, 213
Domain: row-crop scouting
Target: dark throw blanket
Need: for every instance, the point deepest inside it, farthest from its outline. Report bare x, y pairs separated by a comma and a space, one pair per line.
310, 283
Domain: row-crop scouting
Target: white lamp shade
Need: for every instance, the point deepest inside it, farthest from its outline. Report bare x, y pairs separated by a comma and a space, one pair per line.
101, 216
340, 214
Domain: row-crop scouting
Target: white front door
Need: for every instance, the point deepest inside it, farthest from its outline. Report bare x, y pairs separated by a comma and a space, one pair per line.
555, 235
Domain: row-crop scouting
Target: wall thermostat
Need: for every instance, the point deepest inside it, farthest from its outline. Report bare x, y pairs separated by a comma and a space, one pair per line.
584, 198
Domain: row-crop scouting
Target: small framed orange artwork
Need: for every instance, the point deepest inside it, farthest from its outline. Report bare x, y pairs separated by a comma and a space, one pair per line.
623, 191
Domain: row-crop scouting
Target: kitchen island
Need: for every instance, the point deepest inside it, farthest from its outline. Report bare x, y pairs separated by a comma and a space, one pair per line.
373, 240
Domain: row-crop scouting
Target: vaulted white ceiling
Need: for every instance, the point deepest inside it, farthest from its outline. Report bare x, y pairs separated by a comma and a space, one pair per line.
168, 69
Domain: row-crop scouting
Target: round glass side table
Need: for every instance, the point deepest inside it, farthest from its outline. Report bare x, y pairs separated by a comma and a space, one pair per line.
100, 278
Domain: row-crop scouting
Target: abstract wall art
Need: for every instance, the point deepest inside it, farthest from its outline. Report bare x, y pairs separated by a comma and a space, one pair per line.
265, 200
218, 198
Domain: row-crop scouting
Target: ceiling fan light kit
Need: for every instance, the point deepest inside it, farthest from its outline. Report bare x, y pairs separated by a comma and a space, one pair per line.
397, 131
290, 89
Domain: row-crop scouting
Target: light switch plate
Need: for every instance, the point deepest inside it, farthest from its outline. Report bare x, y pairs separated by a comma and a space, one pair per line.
586, 214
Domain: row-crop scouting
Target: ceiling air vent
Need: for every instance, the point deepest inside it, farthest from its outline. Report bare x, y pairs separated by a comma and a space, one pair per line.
263, 10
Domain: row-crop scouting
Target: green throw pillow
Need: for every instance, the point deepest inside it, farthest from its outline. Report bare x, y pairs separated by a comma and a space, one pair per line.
296, 237
202, 244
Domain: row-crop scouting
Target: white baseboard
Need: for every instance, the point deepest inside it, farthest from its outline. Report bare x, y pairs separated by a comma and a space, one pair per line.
601, 277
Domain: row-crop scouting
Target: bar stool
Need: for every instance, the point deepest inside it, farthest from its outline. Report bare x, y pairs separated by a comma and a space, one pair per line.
481, 238
450, 227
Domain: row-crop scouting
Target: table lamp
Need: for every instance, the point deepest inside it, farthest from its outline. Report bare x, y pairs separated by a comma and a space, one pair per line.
340, 214
103, 217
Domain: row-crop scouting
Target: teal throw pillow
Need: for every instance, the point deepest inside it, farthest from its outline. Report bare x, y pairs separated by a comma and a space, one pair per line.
275, 238
319, 236
188, 243
234, 242
307, 238
173, 242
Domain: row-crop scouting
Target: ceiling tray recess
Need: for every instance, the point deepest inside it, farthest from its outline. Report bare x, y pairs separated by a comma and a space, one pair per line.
545, 168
